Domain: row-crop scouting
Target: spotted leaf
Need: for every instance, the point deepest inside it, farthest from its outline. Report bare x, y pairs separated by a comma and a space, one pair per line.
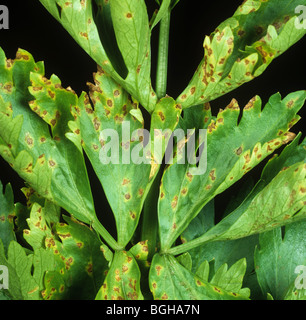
232, 151
118, 147
169, 280
7, 214
282, 191
116, 35
123, 279
42, 158
242, 47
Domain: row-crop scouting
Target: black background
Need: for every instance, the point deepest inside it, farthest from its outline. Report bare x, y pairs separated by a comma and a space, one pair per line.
32, 28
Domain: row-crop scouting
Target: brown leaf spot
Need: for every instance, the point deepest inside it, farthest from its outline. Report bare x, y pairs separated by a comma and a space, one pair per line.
29, 140
212, 175
116, 93
211, 127
158, 269
129, 15
89, 268
96, 123
52, 163
192, 90
189, 176
127, 196
161, 115
233, 105
290, 104
238, 151
132, 215
174, 202
164, 296
303, 190
125, 182
84, 35
51, 94
184, 191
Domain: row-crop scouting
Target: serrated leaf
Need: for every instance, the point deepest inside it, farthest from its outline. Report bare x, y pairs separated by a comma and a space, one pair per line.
169, 280
123, 279
77, 265
232, 151
295, 294
231, 279
277, 257
242, 47
128, 21
79, 262
40, 158
281, 189
7, 214
23, 284
115, 143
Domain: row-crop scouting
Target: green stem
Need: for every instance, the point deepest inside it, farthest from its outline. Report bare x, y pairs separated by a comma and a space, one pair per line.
149, 229
182, 248
110, 241
162, 58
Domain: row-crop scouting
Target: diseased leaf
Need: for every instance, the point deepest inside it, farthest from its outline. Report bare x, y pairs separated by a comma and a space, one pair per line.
7, 214
231, 279
76, 264
277, 257
164, 7
277, 199
123, 279
129, 23
118, 147
232, 151
242, 47
295, 294
42, 159
169, 280
23, 284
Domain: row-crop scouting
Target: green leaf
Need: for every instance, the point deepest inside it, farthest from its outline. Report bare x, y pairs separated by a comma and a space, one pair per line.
231, 279
140, 251
114, 141
160, 13
232, 151
7, 214
76, 264
295, 294
23, 284
169, 280
42, 159
242, 47
277, 257
282, 191
80, 263
123, 279
128, 21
